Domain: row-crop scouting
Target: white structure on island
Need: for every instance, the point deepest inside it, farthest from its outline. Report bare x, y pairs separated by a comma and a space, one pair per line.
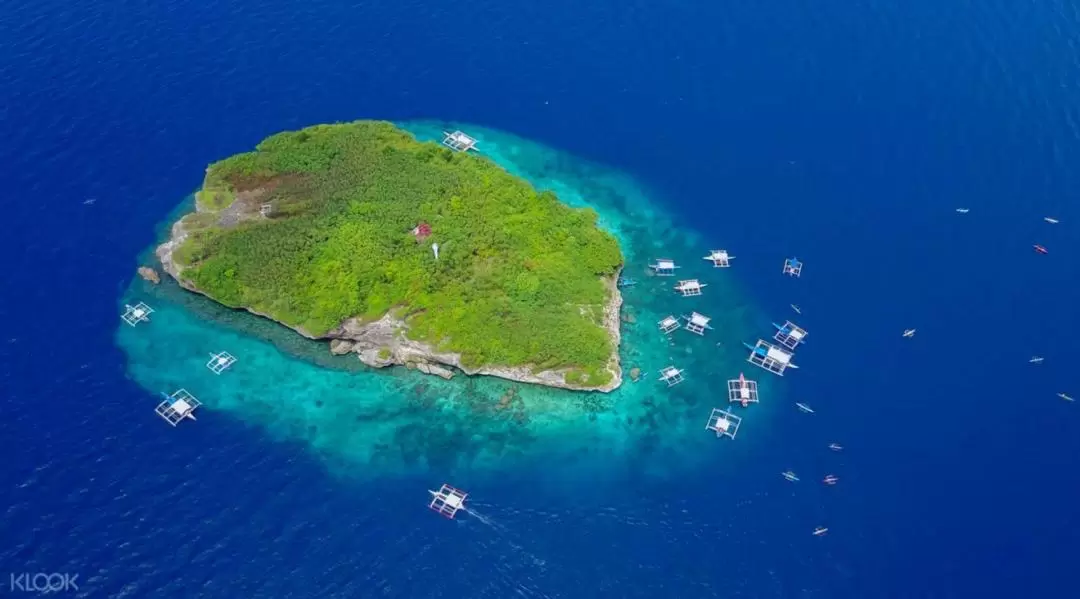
790, 335
720, 258
690, 287
723, 423
697, 323
669, 324
793, 267
770, 357
140, 312
671, 375
458, 141
447, 501
664, 267
266, 210
178, 406
220, 361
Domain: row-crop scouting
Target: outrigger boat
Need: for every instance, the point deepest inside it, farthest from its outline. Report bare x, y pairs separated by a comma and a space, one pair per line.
1052, 221
963, 210
836, 447
805, 408
178, 406
790, 335
796, 309
1036, 360
626, 282
742, 391
790, 476
1065, 397
448, 501
1040, 249
830, 480
909, 333
770, 357
820, 531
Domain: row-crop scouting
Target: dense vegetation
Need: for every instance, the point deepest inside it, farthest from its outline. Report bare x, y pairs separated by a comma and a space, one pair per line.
518, 279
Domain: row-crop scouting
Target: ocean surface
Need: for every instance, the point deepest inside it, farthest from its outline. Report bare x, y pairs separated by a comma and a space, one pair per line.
846, 134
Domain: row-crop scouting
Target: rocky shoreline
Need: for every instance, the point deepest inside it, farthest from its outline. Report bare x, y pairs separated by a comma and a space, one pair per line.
383, 342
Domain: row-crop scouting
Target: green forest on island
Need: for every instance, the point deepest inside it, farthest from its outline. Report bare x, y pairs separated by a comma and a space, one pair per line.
519, 275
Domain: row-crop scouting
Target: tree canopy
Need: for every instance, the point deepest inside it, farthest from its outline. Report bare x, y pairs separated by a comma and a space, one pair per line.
519, 279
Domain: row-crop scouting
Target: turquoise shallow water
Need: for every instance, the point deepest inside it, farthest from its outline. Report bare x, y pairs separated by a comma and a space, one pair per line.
396, 422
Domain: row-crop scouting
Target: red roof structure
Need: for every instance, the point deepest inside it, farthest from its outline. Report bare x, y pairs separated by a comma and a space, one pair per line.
422, 231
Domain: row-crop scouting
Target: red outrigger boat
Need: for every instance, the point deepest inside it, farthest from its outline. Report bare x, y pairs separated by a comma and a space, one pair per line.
1040, 249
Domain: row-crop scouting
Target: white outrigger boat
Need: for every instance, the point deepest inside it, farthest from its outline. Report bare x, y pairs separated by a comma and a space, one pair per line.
963, 210
795, 307
447, 501
1065, 397
836, 447
790, 476
1035, 360
819, 531
909, 333
804, 408
1052, 221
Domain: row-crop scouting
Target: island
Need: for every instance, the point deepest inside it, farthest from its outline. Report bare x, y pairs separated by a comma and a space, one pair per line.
406, 253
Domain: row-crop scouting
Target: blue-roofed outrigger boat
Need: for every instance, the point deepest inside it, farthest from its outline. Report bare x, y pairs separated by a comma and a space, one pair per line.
789, 334
626, 282
793, 267
770, 357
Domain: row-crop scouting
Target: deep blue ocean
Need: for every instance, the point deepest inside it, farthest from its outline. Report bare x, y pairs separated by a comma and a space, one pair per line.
845, 133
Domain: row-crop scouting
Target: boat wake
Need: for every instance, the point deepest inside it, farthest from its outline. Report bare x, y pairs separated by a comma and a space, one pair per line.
508, 537
484, 519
